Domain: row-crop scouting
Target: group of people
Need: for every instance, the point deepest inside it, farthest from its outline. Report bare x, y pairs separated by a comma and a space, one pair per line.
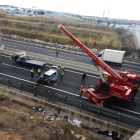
32, 72
62, 72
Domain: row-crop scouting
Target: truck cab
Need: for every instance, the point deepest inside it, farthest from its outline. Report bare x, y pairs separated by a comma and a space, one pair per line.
132, 81
100, 55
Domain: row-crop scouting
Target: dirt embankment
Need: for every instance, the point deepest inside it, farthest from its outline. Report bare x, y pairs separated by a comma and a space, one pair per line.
21, 123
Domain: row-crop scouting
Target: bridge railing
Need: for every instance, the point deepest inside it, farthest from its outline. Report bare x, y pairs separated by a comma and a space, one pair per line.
77, 102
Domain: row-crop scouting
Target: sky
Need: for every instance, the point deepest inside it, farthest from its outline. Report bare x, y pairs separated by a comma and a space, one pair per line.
122, 9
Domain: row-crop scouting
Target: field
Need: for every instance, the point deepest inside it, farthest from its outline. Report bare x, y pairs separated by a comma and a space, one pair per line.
46, 27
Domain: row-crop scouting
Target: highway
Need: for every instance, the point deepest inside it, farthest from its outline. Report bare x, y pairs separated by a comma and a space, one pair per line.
68, 56
72, 79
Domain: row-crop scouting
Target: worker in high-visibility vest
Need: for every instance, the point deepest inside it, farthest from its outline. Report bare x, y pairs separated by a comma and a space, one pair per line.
63, 68
32, 73
62, 75
39, 71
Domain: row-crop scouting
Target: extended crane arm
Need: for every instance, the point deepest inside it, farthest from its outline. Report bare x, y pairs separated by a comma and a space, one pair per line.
98, 62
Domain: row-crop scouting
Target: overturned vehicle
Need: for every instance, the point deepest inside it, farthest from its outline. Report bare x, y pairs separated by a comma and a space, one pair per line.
48, 76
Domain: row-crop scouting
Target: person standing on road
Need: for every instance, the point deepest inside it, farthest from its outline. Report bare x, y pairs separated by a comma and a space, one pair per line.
63, 68
84, 76
62, 75
32, 73
39, 71
56, 53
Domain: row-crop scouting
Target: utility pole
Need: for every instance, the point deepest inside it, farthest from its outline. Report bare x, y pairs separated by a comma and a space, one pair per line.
104, 10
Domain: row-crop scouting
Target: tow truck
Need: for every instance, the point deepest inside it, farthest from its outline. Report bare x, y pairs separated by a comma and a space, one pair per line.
112, 85
21, 57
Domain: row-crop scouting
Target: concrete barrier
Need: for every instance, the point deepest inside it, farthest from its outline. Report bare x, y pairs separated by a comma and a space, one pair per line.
2, 47
83, 67
87, 120
136, 136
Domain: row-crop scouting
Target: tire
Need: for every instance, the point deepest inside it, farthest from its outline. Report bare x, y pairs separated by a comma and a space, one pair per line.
134, 92
48, 81
104, 86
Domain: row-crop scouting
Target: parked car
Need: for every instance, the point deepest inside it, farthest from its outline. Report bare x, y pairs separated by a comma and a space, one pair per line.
48, 76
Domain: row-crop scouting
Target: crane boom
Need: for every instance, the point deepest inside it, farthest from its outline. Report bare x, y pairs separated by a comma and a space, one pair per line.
98, 62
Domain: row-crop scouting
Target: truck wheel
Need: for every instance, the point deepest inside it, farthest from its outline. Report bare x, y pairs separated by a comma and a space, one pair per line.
48, 81
104, 86
134, 92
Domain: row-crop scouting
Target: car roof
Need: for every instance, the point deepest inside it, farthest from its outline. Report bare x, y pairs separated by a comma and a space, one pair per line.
50, 72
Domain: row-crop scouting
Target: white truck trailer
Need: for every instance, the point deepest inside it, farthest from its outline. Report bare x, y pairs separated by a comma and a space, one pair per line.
112, 56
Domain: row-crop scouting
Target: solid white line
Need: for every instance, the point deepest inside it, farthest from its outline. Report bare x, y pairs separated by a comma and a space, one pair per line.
42, 85
82, 73
48, 66
64, 91
126, 110
61, 56
137, 98
66, 57
15, 66
4, 55
49, 50
18, 78
131, 65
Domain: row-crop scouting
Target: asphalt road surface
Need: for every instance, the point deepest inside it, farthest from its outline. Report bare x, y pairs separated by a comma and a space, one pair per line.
70, 85
69, 56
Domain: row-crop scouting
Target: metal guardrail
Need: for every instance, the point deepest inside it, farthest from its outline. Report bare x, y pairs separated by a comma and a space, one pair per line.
69, 100
53, 46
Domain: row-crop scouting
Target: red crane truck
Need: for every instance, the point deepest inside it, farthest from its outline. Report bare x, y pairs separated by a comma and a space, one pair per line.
122, 86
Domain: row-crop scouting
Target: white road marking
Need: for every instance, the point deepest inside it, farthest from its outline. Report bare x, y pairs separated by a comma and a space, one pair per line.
63, 91
18, 78
49, 66
137, 98
131, 65
66, 57
4, 55
43, 85
61, 56
15, 66
126, 110
82, 73
49, 50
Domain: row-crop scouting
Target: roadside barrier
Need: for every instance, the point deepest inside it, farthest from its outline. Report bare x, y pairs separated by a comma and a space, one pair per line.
77, 102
